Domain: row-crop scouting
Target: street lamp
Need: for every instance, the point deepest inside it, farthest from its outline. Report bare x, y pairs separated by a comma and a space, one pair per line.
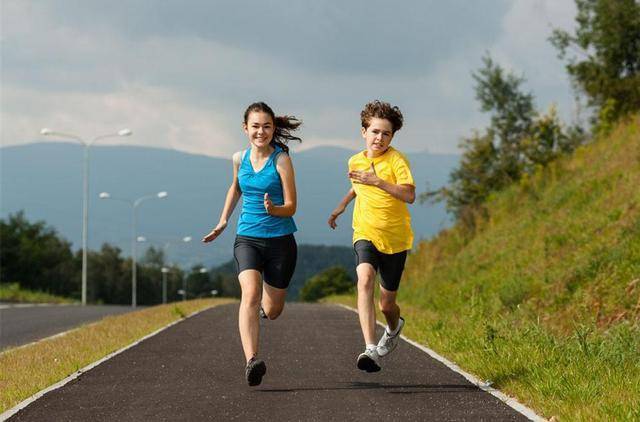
134, 217
164, 270
85, 190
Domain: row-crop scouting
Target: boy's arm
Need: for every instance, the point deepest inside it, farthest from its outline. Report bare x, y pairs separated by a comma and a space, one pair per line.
403, 192
340, 208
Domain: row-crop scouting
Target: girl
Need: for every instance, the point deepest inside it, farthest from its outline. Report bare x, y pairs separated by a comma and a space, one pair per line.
264, 249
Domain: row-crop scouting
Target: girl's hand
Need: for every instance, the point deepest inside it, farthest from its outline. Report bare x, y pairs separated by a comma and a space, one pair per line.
268, 204
215, 232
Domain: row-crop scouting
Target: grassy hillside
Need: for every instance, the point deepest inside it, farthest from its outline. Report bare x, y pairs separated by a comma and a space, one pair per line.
544, 298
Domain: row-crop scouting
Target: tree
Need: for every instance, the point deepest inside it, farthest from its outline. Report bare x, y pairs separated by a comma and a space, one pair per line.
512, 112
494, 159
605, 64
33, 255
333, 280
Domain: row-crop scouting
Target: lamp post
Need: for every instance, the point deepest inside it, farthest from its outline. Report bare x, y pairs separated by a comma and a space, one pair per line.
165, 270
134, 217
85, 190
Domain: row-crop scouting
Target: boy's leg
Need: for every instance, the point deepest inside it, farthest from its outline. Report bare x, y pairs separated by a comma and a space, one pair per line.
389, 307
391, 268
250, 281
366, 310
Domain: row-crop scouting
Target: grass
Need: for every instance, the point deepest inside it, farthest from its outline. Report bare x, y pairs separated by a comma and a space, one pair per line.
543, 299
26, 370
11, 292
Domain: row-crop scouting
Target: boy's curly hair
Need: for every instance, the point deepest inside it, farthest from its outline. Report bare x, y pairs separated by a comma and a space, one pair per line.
382, 110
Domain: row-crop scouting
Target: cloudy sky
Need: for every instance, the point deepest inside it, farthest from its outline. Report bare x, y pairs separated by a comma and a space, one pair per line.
180, 73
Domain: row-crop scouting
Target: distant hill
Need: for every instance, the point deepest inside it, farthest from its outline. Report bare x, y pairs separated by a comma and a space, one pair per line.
45, 180
312, 259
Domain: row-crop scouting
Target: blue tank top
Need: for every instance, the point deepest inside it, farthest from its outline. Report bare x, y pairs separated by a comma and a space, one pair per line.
254, 220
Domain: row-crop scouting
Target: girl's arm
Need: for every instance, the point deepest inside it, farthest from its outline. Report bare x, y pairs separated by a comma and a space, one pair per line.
230, 202
285, 170
340, 208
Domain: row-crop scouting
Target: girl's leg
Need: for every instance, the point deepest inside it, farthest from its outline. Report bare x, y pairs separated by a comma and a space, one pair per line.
366, 310
273, 300
389, 307
250, 281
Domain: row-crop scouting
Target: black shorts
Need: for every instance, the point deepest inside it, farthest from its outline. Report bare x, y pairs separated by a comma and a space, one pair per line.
274, 257
389, 265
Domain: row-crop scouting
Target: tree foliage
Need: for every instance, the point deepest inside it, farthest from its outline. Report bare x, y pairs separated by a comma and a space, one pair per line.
604, 56
333, 280
33, 255
517, 141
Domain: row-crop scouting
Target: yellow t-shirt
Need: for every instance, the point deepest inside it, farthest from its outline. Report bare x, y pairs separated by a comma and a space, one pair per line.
378, 216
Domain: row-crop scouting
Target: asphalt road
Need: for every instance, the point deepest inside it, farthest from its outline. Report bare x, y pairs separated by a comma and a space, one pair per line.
21, 325
195, 371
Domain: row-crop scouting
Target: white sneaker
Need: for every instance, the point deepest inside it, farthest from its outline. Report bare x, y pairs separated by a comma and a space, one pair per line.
368, 361
389, 342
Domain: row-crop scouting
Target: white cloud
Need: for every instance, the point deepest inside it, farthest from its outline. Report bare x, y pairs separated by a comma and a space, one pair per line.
187, 89
524, 48
158, 118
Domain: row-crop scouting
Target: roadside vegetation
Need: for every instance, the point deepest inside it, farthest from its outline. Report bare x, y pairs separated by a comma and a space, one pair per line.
536, 287
12, 293
543, 300
26, 370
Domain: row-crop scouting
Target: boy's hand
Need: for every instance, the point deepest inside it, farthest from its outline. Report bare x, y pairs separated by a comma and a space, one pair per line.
333, 217
215, 232
365, 177
268, 204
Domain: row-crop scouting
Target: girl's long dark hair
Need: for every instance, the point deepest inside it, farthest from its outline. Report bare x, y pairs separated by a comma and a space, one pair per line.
284, 125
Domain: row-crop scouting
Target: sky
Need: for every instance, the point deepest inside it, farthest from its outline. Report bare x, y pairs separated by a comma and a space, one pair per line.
180, 74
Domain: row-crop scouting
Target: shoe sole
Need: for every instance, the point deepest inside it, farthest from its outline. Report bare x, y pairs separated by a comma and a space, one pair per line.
365, 363
256, 373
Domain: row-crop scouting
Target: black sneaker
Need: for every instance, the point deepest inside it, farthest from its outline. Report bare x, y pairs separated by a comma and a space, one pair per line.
368, 361
255, 371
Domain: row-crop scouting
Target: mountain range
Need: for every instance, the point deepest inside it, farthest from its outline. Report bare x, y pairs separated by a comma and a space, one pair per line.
45, 180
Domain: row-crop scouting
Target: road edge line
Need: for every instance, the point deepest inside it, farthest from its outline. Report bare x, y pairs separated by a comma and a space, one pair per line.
508, 400
26, 402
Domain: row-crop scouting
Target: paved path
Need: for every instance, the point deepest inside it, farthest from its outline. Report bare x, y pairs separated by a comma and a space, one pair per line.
21, 325
195, 371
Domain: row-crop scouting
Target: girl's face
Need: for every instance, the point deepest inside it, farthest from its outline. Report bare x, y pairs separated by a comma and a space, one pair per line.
378, 135
259, 128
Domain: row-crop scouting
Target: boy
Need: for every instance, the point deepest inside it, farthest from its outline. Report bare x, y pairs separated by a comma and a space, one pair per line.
382, 186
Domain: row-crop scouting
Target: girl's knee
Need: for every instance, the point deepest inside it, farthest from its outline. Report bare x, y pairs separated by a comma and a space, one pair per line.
273, 312
251, 299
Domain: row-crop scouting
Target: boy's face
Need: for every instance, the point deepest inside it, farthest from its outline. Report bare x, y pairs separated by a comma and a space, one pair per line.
378, 135
259, 128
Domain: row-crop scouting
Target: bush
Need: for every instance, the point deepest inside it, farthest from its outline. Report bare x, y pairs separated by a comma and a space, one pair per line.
333, 280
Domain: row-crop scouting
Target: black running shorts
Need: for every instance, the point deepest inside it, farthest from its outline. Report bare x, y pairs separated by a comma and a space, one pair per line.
274, 257
389, 265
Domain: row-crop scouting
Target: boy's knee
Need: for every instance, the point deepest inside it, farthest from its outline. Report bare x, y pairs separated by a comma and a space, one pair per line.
387, 305
366, 282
